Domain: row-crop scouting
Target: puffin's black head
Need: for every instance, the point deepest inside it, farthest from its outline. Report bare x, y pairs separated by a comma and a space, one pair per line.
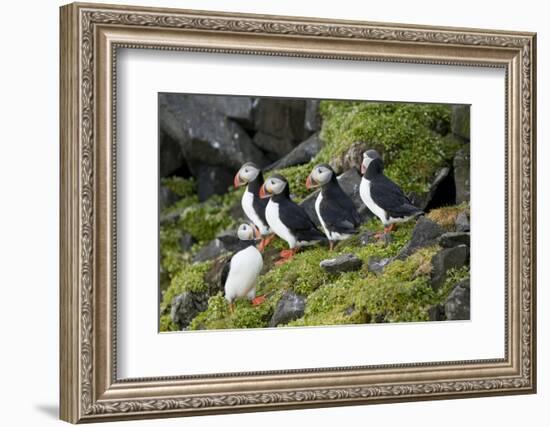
247, 173
248, 232
321, 175
372, 163
274, 185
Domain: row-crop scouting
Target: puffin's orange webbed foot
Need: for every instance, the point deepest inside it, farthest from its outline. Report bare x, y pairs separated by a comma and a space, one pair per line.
258, 300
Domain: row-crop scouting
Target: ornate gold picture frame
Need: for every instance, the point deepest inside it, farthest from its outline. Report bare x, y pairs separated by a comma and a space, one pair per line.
90, 37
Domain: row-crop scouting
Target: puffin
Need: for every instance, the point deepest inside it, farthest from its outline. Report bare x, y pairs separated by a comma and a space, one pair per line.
382, 196
253, 206
241, 271
288, 220
335, 209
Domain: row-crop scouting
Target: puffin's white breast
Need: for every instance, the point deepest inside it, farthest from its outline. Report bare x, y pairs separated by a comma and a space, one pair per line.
364, 192
276, 225
248, 208
244, 270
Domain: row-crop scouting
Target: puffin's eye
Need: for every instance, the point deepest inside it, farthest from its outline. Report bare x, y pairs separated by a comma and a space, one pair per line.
319, 171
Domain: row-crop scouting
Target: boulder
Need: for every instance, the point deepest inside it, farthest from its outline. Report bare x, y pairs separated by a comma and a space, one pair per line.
425, 233
377, 265
238, 108
211, 250
212, 180
446, 259
171, 160
206, 136
301, 154
186, 242
457, 305
290, 307
460, 121
461, 165
186, 306
273, 146
166, 197
436, 312
462, 222
350, 182
341, 264
441, 193
454, 238
312, 121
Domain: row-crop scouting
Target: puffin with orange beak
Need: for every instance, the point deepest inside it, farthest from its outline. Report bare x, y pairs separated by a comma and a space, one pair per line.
286, 219
382, 196
253, 206
334, 208
240, 274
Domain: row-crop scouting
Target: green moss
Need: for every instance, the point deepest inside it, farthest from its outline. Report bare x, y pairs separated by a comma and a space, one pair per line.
166, 324
190, 277
245, 315
402, 133
454, 275
180, 186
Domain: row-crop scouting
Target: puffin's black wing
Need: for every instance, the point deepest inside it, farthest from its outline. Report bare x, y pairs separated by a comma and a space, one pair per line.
298, 221
387, 194
259, 206
338, 211
225, 273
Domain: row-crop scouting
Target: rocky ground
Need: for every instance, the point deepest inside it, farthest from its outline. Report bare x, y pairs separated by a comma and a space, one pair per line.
419, 273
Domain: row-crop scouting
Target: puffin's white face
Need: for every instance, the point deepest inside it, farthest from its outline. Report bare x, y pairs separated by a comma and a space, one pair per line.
248, 173
319, 176
368, 157
247, 232
274, 185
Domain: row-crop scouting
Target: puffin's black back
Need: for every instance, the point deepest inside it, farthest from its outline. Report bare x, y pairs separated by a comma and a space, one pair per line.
296, 218
337, 208
389, 196
258, 203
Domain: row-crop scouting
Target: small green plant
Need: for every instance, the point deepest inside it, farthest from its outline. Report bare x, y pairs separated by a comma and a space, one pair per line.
189, 278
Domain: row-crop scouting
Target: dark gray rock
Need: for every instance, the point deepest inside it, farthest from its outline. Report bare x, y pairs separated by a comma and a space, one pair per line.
301, 154
460, 121
441, 193
446, 259
238, 108
206, 136
170, 217
341, 264
377, 265
461, 164
171, 158
312, 121
275, 147
212, 180
436, 312
426, 233
186, 242
457, 305
350, 182
290, 307
462, 222
186, 306
230, 240
367, 238
281, 117
454, 238
211, 250
166, 197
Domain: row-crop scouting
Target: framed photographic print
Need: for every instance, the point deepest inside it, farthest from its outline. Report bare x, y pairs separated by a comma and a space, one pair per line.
265, 212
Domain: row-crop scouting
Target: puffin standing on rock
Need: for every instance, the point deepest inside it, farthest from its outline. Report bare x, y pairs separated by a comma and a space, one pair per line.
335, 209
253, 206
383, 196
287, 219
240, 273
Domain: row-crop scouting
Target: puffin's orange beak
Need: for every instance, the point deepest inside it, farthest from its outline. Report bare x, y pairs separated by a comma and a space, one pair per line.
310, 182
263, 193
237, 180
257, 233
363, 169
